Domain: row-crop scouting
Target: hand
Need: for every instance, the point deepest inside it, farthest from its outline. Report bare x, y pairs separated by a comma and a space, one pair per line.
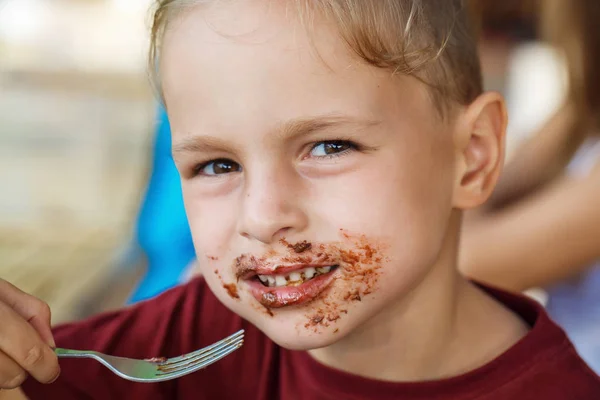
26, 340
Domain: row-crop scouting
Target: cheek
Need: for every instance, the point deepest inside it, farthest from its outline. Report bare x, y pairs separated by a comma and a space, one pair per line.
407, 202
212, 220
389, 195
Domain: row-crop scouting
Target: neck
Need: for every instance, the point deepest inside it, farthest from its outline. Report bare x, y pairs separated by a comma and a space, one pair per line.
425, 334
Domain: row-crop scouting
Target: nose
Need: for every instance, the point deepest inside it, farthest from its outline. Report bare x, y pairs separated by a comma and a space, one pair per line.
271, 207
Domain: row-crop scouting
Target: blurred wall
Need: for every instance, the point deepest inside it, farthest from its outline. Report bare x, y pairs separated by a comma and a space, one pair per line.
76, 120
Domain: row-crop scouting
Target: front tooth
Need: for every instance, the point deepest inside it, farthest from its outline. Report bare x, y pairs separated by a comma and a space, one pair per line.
271, 281
323, 270
309, 273
263, 278
295, 277
280, 280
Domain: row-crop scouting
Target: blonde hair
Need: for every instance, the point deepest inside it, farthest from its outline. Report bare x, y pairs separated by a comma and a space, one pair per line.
431, 40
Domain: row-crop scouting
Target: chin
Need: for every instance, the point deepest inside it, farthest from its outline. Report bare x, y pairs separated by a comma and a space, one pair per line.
302, 341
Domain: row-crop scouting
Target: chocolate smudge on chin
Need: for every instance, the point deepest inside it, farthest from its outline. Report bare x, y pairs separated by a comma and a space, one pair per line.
231, 290
262, 308
269, 312
354, 296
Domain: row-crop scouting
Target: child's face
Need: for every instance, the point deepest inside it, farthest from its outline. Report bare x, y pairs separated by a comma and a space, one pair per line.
292, 160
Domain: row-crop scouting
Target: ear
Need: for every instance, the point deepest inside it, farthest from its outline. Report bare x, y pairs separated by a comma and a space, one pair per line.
479, 139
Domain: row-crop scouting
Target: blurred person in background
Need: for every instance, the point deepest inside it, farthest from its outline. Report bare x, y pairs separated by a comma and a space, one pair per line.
541, 227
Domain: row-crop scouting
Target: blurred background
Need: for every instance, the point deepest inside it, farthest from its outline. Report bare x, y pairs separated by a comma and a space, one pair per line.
77, 117
91, 216
78, 121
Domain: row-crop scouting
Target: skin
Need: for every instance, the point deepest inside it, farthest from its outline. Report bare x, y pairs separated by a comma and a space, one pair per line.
25, 341
243, 82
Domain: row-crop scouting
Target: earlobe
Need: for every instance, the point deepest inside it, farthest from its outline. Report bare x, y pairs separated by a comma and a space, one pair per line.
479, 140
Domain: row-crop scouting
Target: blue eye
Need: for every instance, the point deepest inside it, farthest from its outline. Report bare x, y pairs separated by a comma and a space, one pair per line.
218, 167
330, 148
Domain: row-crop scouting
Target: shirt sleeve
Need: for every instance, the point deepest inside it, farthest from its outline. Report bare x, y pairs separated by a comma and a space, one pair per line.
149, 329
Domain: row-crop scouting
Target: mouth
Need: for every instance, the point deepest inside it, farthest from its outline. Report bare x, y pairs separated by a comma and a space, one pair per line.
287, 286
294, 278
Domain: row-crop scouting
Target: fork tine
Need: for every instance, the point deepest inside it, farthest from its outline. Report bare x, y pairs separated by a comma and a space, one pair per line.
166, 368
194, 354
192, 367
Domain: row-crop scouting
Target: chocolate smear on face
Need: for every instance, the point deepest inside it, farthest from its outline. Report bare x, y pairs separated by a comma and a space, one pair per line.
299, 247
354, 296
245, 264
358, 259
358, 277
231, 290
315, 320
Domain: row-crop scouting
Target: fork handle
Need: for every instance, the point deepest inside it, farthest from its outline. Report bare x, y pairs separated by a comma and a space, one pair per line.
67, 353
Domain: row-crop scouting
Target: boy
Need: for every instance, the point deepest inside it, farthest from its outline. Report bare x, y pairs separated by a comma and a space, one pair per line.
326, 150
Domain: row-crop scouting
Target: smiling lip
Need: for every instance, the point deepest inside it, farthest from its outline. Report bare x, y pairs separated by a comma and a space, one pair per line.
283, 296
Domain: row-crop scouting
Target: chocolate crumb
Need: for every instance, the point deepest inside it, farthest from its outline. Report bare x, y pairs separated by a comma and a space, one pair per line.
336, 330
246, 264
354, 296
231, 290
269, 312
301, 246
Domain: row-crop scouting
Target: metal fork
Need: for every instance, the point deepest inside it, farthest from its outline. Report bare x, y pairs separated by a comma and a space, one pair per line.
159, 370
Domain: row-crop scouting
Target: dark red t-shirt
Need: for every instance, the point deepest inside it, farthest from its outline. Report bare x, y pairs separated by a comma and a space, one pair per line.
543, 365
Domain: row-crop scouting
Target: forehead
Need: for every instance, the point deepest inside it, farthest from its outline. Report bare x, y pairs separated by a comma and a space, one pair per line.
234, 62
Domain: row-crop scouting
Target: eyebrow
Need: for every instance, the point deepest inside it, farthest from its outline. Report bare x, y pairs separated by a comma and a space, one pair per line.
287, 130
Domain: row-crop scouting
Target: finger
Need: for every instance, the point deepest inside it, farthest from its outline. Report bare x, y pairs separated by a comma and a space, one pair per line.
32, 309
11, 375
22, 343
